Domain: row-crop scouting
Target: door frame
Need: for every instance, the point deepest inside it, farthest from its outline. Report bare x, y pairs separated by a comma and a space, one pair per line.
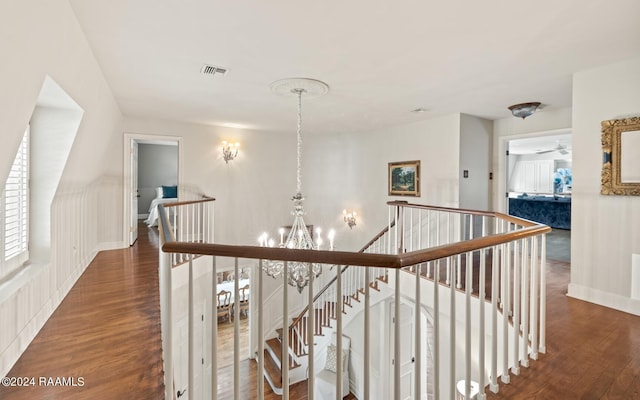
426, 318
130, 137
394, 320
500, 202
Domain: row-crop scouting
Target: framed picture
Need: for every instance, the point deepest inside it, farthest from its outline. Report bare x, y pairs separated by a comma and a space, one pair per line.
404, 178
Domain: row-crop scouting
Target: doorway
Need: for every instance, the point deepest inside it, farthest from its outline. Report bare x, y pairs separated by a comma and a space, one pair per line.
226, 280
154, 168
538, 183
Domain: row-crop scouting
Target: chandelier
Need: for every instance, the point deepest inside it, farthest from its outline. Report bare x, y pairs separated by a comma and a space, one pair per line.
299, 236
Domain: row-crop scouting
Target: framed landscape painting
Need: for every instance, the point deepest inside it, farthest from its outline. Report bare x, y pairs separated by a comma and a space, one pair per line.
404, 178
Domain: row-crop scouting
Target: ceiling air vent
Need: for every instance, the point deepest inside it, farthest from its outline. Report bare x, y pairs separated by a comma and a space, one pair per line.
213, 70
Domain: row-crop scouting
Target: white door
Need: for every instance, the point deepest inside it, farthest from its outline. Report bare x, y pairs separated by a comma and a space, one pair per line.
135, 194
181, 359
199, 343
407, 350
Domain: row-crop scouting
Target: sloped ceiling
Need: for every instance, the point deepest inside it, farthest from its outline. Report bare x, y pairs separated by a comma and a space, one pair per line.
381, 59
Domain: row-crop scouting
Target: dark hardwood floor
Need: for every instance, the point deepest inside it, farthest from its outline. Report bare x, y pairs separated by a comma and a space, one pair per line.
107, 331
593, 352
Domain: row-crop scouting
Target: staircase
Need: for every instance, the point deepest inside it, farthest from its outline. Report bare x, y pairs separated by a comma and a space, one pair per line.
273, 362
484, 289
326, 309
353, 291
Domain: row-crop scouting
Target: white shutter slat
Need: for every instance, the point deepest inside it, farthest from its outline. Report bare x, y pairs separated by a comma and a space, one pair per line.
16, 203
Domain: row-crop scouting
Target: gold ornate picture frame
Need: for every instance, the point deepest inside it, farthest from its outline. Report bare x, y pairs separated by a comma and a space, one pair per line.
404, 178
615, 149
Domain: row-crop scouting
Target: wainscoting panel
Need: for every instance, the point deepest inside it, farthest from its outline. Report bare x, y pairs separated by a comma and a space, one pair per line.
83, 221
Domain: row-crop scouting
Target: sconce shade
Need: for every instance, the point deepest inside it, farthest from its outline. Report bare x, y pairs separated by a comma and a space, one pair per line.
523, 110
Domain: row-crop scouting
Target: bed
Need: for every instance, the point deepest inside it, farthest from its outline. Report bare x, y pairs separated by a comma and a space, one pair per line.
554, 211
164, 194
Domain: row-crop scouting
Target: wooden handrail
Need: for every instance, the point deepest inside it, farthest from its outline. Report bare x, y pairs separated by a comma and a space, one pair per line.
205, 199
506, 217
378, 236
446, 209
351, 258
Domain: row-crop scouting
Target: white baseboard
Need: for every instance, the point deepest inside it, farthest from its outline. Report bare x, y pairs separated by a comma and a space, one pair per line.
606, 299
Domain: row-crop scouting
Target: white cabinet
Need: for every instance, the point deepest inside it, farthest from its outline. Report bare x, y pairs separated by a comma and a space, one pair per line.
532, 176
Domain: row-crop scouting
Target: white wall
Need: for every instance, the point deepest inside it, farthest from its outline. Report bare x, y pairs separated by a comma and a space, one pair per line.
40, 38
157, 166
252, 192
52, 134
543, 122
606, 229
351, 171
475, 157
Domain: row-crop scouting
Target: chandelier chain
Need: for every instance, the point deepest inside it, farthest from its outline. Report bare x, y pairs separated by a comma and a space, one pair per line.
299, 235
299, 149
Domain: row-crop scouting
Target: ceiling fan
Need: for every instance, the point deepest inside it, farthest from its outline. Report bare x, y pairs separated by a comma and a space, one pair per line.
560, 148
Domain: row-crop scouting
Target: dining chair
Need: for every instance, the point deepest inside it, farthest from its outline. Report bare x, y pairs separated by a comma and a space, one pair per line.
224, 304
244, 301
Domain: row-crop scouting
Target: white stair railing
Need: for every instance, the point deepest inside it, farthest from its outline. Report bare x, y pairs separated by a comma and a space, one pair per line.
480, 275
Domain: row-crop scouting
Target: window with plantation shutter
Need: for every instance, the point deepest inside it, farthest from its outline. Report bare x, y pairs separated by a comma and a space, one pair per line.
16, 204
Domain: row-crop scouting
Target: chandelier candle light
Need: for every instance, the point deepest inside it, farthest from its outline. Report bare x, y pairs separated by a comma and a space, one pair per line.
298, 236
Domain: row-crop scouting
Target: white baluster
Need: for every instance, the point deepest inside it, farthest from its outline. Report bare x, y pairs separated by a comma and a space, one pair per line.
339, 304
236, 331
517, 266
481, 317
534, 302
260, 302
452, 333
418, 336
436, 328
285, 332
543, 294
505, 282
192, 329
467, 334
526, 268
310, 329
493, 385
367, 336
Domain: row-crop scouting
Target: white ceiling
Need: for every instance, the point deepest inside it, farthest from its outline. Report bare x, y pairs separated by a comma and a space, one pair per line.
381, 59
546, 143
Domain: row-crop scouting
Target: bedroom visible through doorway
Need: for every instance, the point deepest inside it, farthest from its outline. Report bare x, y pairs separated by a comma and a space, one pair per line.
152, 176
539, 186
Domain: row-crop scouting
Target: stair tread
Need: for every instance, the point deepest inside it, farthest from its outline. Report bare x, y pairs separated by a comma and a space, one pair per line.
272, 369
276, 346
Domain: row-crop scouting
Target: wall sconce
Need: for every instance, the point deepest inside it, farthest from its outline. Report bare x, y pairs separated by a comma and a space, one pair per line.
229, 151
349, 218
